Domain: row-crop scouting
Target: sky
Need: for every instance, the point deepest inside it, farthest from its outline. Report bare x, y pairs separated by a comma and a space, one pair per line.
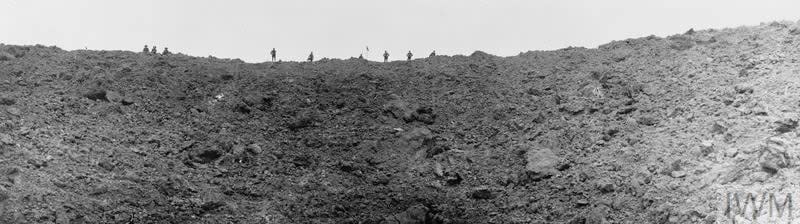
248, 29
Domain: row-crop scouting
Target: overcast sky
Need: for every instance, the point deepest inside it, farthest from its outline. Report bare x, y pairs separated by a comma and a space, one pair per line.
248, 29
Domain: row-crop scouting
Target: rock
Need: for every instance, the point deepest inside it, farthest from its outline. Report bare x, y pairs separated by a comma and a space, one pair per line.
534, 91
647, 120
175, 185
627, 110
563, 166
419, 134
9, 176
769, 167
300, 122
219, 207
39, 162
424, 115
14, 111
730, 174
237, 149
787, 125
399, 109
347, 166
706, 147
126, 100
577, 220
6, 139
408, 112
718, 128
24, 130
381, 180
539, 118
5, 56
541, 163
438, 170
254, 149
676, 165
206, 153
795, 31
4, 195
743, 89
507, 180
731, 152
482, 194
677, 174
610, 134
606, 202
435, 149
759, 177
259, 102
113, 96
106, 165
452, 178
606, 187
96, 95
597, 216
7, 101
417, 214
573, 108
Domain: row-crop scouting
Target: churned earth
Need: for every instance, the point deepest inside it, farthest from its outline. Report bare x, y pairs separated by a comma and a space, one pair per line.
645, 130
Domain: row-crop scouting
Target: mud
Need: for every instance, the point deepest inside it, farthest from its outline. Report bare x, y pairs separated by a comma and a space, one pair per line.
646, 130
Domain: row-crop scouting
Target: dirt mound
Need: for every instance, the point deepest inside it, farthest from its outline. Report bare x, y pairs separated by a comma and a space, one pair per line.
647, 130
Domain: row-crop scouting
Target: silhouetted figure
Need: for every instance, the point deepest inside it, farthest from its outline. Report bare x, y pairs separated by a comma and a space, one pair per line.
146, 50
311, 57
273, 54
385, 56
154, 51
409, 55
433, 54
166, 51
361, 56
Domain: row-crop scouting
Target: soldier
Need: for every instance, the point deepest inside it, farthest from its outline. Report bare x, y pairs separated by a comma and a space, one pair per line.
154, 51
311, 57
273, 54
409, 55
433, 54
385, 56
145, 50
166, 51
361, 56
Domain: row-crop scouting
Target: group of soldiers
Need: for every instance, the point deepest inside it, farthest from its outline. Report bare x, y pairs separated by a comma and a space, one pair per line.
273, 53
361, 56
408, 55
154, 51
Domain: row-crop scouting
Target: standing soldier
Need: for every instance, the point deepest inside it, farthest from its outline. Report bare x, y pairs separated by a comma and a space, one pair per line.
409, 55
145, 50
433, 54
361, 56
273, 54
311, 57
385, 56
154, 51
166, 51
